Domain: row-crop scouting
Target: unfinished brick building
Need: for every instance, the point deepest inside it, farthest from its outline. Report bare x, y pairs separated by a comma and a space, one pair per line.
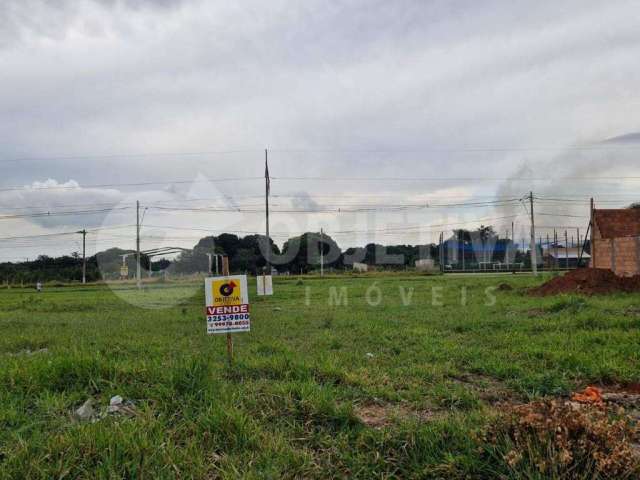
615, 240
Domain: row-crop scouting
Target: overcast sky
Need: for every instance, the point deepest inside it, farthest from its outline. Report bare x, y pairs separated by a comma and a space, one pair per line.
112, 92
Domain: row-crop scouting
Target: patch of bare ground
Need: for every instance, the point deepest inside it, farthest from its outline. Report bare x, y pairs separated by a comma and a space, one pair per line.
489, 389
382, 414
529, 313
623, 397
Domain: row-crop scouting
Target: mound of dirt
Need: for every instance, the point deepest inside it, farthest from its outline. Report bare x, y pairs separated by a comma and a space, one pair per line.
589, 281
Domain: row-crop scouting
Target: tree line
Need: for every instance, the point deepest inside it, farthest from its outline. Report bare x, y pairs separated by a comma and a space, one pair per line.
300, 254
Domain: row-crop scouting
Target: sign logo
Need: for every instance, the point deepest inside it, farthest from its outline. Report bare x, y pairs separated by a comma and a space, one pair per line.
226, 292
226, 289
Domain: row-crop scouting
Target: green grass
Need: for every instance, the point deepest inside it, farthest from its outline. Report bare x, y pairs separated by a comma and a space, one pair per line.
288, 406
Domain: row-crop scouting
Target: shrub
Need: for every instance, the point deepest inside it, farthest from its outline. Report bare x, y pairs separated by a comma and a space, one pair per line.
556, 439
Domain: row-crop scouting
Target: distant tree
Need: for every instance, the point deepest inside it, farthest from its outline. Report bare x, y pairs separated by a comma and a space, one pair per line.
228, 244
486, 232
250, 254
109, 262
305, 251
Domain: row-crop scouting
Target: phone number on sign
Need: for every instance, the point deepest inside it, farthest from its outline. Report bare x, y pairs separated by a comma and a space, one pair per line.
227, 318
239, 323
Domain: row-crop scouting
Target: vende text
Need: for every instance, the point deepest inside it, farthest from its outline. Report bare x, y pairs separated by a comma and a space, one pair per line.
226, 309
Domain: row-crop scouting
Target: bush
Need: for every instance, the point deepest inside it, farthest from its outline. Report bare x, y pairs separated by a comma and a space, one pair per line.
556, 439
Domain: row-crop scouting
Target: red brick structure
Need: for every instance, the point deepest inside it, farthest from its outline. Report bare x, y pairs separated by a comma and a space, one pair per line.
615, 240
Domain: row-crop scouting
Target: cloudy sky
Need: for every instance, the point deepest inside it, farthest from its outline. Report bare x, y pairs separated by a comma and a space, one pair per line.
380, 107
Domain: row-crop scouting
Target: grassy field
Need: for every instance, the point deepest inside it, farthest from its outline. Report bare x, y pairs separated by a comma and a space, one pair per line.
396, 385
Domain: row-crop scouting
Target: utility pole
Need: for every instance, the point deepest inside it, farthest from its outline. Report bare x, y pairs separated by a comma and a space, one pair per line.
138, 244
548, 252
578, 237
513, 238
593, 227
566, 250
441, 253
464, 267
534, 256
321, 253
84, 254
555, 242
267, 191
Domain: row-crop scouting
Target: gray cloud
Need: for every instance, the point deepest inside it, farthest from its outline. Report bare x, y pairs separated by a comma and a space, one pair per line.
303, 201
409, 88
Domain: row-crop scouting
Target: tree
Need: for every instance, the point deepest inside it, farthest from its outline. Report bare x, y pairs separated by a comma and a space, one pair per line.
305, 251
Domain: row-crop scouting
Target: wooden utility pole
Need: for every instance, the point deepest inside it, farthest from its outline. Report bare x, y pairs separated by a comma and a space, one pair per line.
225, 273
267, 191
441, 252
555, 243
463, 269
592, 225
513, 238
138, 244
532, 246
84, 254
321, 253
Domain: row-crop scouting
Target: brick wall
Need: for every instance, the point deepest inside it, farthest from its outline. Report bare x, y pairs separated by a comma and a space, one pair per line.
621, 254
626, 256
618, 254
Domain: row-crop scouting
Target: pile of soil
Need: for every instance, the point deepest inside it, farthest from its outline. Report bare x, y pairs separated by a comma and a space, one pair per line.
589, 281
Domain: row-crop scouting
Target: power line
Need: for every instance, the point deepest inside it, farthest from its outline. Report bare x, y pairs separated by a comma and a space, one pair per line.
312, 178
435, 149
561, 215
133, 184
41, 235
457, 179
61, 214
232, 200
67, 205
125, 155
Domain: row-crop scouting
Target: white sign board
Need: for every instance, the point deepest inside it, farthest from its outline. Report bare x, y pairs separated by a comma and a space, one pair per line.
265, 284
227, 304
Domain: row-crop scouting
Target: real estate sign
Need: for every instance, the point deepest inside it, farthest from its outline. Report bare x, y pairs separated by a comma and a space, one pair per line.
227, 304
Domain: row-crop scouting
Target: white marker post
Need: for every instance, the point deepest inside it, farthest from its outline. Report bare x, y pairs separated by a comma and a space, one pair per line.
264, 284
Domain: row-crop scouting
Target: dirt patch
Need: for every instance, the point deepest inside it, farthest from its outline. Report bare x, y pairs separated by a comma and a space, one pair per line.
624, 399
505, 287
488, 389
529, 313
626, 396
588, 281
28, 352
380, 415
535, 312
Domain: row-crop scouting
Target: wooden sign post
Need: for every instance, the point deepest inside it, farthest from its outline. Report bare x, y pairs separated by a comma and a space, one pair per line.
225, 272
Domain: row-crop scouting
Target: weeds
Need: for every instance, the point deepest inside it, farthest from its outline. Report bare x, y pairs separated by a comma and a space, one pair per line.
563, 440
